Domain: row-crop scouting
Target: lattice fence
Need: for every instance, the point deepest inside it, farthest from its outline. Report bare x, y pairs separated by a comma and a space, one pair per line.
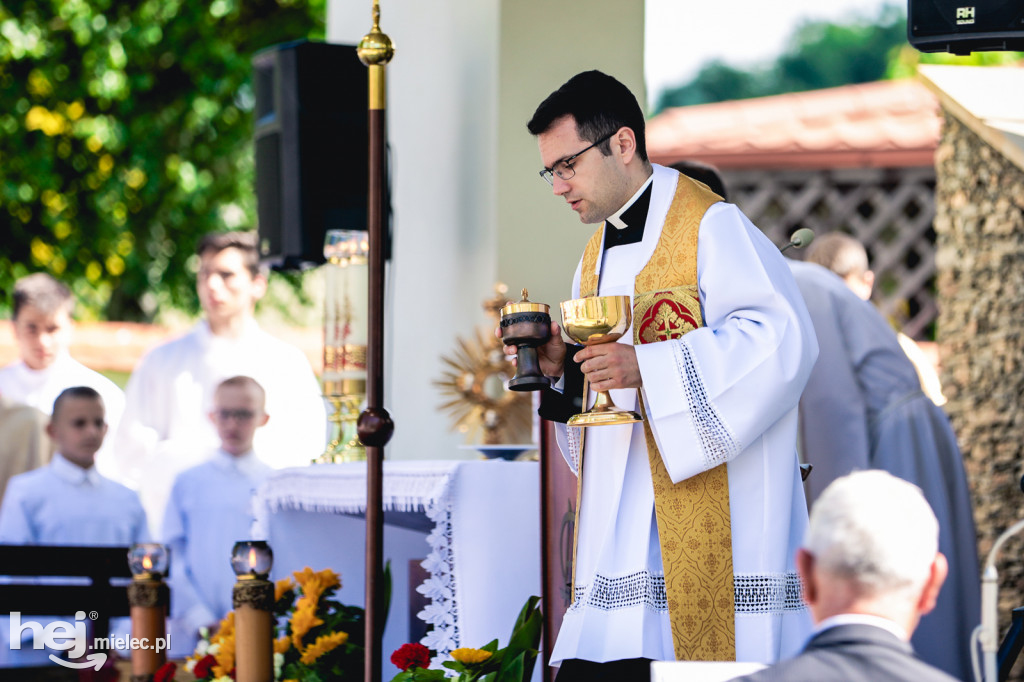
890, 210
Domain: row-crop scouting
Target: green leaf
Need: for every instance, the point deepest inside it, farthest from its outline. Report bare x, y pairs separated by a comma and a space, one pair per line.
526, 636
512, 671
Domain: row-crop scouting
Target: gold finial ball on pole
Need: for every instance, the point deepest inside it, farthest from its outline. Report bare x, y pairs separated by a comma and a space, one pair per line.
375, 47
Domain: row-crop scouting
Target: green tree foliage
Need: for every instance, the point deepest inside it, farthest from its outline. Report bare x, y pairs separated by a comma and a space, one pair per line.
822, 55
125, 134
904, 64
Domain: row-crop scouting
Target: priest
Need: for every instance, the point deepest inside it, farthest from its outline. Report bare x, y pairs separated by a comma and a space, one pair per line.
688, 521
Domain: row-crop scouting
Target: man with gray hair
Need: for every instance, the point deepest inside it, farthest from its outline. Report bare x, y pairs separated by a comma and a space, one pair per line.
870, 567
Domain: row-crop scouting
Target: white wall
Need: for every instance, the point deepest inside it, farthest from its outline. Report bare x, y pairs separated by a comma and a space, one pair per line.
469, 208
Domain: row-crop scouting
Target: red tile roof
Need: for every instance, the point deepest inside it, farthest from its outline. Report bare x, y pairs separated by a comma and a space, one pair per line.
882, 124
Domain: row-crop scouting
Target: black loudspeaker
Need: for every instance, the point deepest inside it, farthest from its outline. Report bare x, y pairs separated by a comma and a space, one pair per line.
965, 26
312, 148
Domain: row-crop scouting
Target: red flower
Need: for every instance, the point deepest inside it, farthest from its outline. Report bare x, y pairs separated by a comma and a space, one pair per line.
409, 655
203, 666
165, 673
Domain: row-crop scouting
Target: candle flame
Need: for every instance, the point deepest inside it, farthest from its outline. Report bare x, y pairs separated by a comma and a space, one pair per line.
147, 563
253, 558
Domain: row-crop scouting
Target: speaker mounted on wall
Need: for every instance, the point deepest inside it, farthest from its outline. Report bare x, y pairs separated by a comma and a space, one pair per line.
965, 26
312, 149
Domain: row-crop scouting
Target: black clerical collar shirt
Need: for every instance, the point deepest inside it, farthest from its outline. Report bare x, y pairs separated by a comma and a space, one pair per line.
627, 225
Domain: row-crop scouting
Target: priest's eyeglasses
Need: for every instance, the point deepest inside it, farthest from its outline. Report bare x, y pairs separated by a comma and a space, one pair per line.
564, 168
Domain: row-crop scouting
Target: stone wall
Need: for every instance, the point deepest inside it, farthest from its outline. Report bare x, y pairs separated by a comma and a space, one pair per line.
979, 225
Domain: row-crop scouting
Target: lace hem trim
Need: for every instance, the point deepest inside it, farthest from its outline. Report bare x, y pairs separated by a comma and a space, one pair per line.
754, 593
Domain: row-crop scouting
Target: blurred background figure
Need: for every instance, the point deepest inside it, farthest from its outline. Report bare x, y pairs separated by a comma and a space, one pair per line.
210, 509
863, 408
24, 444
42, 313
847, 257
166, 427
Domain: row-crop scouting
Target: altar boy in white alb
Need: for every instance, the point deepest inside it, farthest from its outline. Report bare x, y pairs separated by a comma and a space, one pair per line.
688, 522
43, 327
210, 509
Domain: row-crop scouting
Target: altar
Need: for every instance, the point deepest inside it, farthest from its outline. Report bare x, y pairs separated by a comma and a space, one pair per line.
474, 526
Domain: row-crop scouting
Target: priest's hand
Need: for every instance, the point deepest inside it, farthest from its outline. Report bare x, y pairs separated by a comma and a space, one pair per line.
610, 365
551, 355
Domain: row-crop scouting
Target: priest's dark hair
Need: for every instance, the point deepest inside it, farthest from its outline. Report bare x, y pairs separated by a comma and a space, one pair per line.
599, 104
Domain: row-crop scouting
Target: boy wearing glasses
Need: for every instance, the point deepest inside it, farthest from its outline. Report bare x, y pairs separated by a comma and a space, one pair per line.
688, 521
210, 509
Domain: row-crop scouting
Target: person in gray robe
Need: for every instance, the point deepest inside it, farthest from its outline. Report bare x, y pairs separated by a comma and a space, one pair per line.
863, 408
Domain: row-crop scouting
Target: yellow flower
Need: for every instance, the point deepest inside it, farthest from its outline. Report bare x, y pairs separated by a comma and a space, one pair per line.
303, 620
226, 656
281, 587
305, 602
322, 645
468, 656
282, 645
226, 628
310, 584
314, 583
304, 576
329, 578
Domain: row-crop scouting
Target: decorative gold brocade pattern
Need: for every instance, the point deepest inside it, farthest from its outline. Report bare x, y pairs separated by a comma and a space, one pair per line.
694, 524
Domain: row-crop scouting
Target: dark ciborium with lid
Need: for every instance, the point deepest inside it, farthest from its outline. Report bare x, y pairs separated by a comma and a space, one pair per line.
527, 325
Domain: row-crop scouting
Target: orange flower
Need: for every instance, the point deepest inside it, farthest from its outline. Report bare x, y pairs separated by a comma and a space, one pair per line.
226, 628
329, 578
282, 587
314, 583
226, 655
322, 645
281, 645
468, 656
303, 620
304, 576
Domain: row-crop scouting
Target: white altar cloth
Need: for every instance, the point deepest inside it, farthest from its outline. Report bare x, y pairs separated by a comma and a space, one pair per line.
477, 523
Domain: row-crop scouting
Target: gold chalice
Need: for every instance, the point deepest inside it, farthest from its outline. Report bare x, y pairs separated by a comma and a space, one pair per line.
590, 321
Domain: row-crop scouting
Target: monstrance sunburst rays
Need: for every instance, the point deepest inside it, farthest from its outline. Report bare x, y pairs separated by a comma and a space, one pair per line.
476, 399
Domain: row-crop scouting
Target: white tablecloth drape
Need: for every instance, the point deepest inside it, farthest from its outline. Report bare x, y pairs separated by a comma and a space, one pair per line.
479, 520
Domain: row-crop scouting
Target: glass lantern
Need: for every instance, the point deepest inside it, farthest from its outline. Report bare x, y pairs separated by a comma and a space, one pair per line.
252, 559
148, 560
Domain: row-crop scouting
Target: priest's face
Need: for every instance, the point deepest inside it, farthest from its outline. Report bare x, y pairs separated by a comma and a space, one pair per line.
599, 186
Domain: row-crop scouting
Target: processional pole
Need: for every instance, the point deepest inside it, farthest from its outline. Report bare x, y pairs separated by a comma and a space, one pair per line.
375, 426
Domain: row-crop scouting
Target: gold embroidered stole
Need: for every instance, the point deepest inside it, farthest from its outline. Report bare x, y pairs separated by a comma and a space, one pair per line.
694, 527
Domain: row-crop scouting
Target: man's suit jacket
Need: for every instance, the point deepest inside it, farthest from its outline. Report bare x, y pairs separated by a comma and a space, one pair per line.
852, 653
